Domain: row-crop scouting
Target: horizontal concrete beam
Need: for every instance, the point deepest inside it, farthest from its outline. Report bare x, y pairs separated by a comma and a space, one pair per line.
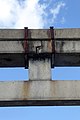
60, 47
71, 45
67, 46
73, 33
22, 93
60, 60
66, 60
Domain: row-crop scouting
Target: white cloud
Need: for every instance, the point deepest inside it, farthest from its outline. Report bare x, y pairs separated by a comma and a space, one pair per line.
29, 13
62, 20
8, 12
56, 10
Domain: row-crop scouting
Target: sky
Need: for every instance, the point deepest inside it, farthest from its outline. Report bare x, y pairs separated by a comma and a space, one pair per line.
39, 14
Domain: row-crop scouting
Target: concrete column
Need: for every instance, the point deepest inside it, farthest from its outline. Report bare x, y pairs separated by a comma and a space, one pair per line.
40, 69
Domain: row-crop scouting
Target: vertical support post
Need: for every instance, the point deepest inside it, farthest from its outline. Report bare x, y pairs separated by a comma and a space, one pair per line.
39, 62
40, 69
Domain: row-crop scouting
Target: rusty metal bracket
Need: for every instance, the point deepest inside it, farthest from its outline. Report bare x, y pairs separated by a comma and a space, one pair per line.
53, 46
26, 46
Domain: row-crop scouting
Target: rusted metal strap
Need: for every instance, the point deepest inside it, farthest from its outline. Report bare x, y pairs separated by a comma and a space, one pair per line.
26, 39
52, 38
26, 46
53, 46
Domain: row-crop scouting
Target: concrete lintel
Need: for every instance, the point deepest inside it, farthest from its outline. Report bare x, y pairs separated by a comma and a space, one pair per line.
60, 60
72, 33
40, 91
46, 47
12, 52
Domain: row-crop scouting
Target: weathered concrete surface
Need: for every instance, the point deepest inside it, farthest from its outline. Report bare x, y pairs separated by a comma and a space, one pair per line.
11, 34
12, 60
73, 33
67, 46
11, 47
12, 40
18, 46
46, 47
49, 91
60, 60
40, 69
40, 46
40, 90
66, 60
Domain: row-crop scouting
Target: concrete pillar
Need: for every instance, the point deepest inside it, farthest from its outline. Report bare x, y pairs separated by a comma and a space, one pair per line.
40, 69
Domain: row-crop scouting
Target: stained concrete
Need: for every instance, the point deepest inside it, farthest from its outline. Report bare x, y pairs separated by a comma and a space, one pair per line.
71, 33
40, 69
40, 90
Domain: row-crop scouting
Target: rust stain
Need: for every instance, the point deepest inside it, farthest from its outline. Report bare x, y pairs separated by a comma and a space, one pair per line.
50, 45
48, 33
25, 91
53, 89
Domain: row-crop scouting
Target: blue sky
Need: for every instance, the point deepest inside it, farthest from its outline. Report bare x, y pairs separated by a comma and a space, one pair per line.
40, 14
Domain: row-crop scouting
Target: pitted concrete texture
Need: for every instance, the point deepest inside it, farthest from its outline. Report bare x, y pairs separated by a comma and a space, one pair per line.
71, 33
40, 90
40, 69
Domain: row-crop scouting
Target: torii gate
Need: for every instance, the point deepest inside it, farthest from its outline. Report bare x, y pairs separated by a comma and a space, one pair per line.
39, 50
